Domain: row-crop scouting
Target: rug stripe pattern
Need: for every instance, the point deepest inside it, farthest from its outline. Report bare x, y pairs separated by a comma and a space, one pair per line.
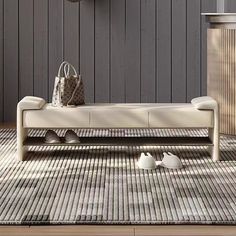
102, 185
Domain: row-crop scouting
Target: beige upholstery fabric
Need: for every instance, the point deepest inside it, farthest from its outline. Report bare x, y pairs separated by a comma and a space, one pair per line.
56, 117
31, 103
180, 116
208, 103
119, 116
205, 103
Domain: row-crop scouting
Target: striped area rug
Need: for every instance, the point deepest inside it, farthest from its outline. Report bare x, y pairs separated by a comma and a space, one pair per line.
102, 185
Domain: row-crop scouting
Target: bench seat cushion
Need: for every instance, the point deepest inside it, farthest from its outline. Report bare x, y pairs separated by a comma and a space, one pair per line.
153, 115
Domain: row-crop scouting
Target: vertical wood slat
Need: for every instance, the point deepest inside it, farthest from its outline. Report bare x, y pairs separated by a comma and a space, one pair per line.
117, 89
193, 49
55, 40
26, 48
41, 48
224, 83
231, 78
102, 51
87, 47
222, 87
163, 50
148, 47
1, 58
234, 81
206, 6
11, 72
132, 49
179, 82
227, 76
71, 33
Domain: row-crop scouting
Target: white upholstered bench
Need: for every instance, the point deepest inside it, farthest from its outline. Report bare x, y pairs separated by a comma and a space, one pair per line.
202, 112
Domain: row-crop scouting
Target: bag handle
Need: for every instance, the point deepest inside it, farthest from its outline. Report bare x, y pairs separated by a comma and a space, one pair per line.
60, 68
66, 66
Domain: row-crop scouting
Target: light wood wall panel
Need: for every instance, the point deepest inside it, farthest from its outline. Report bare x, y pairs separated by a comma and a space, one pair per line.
222, 74
126, 50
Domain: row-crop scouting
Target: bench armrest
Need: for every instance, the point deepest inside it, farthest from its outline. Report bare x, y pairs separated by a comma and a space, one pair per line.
208, 103
27, 103
31, 103
204, 103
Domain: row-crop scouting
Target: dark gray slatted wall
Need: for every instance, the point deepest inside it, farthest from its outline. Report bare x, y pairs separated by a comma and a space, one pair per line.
230, 5
126, 50
179, 79
117, 50
132, 51
148, 51
102, 51
26, 47
71, 33
193, 57
55, 40
87, 49
41, 48
163, 50
11, 62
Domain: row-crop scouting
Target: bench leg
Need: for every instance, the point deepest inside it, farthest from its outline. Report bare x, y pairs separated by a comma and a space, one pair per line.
215, 149
21, 149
